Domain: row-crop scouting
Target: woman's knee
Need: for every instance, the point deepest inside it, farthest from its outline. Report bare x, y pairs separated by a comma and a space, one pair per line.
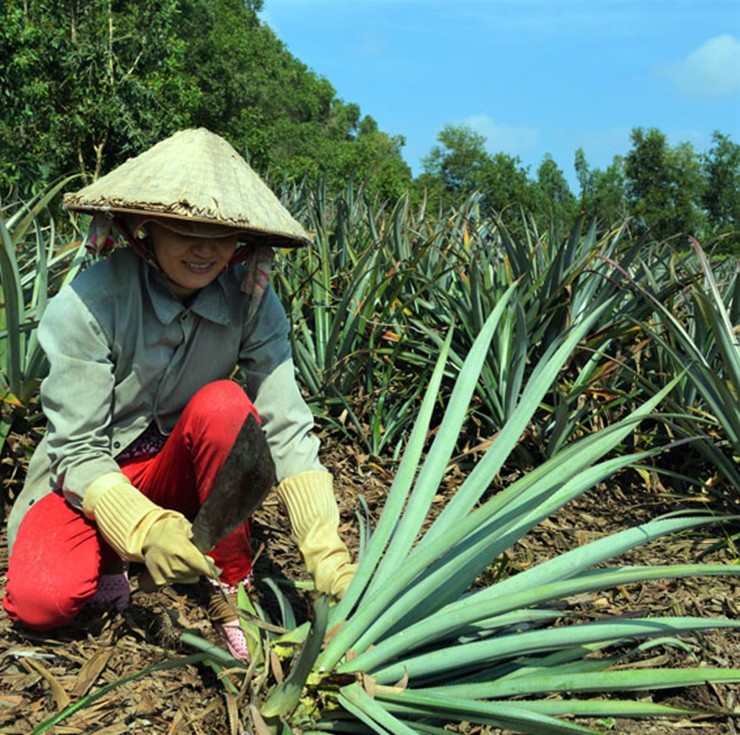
223, 398
33, 611
219, 409
40, 606
54, 566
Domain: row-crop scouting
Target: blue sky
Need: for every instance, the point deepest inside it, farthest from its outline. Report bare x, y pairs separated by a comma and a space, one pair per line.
533, 76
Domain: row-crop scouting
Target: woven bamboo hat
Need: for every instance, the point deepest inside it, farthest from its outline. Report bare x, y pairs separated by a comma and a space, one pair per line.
193, 178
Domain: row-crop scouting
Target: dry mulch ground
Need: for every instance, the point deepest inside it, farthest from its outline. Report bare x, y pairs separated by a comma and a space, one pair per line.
41, 674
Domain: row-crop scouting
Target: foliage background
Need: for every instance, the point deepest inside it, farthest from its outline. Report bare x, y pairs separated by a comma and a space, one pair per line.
635, 274
84, 85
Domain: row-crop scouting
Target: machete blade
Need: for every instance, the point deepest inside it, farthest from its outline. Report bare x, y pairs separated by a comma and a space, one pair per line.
241, 485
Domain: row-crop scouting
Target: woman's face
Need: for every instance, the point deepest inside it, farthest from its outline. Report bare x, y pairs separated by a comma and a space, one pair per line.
190, 263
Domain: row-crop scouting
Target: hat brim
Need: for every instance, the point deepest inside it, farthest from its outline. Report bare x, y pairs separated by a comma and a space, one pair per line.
247, 234
204, 230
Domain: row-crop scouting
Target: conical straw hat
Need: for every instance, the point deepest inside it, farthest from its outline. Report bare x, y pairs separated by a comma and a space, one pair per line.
193, 176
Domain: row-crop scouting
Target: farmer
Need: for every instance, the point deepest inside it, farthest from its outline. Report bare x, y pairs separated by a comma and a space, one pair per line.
142, 406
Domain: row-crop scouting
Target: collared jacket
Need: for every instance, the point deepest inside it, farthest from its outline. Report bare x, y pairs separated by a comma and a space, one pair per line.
124, 352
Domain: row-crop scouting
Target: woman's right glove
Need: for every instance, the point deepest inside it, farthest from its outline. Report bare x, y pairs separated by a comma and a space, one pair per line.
139, 530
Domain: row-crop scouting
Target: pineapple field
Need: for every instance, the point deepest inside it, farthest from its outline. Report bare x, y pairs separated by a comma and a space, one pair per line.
535, 438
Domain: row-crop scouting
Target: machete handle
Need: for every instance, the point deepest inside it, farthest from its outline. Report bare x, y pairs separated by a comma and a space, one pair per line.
147, 583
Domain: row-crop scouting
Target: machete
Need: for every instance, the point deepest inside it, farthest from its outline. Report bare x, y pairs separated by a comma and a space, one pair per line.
241, 485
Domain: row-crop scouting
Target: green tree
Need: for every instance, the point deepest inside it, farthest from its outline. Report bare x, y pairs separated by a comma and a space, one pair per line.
463, 166
255, 93
722, 190
284, 118
609, 193
664, 185
457, 159
87, 83
583, 174
603, 194
506, 187
428, 190
555, 200
374, 158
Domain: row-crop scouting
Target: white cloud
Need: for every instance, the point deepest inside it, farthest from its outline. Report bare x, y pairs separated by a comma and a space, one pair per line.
507, 138
712, 70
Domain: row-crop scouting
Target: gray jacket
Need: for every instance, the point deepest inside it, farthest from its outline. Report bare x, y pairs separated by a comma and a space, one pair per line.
123, 351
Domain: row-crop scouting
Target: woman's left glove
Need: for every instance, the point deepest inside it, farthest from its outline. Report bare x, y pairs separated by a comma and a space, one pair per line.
314, 519
139, 530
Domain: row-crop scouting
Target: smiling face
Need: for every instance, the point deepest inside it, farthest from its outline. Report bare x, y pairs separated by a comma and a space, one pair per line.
190, 263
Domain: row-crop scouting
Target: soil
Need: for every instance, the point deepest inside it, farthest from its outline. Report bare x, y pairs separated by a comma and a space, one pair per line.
40, 674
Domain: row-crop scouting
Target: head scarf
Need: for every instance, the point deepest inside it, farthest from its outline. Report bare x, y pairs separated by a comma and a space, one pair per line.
257, 258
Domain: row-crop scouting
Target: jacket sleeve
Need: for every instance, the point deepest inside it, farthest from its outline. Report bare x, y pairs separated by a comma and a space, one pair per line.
76, 395
267, 366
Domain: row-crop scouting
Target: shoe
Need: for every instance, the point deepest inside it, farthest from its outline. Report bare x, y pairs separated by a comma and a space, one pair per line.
113, 590
222, 612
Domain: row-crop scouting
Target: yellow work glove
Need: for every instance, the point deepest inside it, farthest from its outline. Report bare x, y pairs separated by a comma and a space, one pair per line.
314, 519
139, 530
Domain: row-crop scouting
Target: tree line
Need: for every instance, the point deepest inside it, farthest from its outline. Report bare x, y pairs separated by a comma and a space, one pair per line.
84, 84
665, 191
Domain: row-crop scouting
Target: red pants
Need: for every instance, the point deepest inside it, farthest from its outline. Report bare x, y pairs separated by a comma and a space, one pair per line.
58, 553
